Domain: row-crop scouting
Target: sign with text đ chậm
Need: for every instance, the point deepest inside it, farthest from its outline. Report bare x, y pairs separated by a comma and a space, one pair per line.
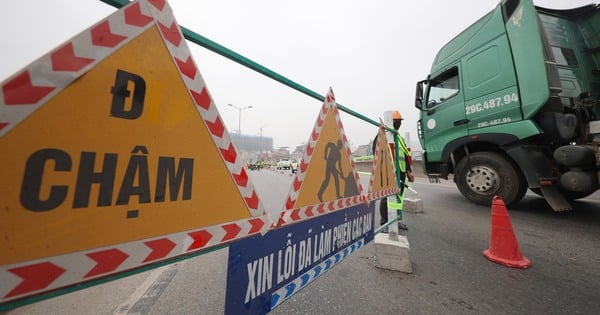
116, 159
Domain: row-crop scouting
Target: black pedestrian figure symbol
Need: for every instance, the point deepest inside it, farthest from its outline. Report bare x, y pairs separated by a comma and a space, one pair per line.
350, 187
333, 156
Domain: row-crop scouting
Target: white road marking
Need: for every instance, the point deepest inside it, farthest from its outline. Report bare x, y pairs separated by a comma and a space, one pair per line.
124, 307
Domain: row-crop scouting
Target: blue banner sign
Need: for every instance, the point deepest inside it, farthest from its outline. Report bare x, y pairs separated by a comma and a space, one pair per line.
266, 270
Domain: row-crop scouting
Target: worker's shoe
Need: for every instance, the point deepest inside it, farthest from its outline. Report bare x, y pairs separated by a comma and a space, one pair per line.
402, 226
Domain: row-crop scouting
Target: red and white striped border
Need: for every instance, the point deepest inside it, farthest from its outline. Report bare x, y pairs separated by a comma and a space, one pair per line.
382, 193
374, 195
42, 275
303, 213
28, 90
205, 105
291, 213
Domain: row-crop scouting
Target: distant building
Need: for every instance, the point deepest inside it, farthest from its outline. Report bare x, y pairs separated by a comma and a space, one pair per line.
281, 153
298, 152
300, 149
252, 143
362, 150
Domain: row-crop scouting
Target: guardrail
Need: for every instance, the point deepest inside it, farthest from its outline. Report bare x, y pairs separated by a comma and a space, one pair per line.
232, 55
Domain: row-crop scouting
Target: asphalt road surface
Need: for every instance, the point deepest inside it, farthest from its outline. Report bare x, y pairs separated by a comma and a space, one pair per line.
450, 274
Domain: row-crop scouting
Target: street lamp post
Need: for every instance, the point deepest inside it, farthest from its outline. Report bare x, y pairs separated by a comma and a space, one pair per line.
240, 109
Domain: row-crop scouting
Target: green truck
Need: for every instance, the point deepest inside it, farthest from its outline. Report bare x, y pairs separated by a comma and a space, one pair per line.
512, 103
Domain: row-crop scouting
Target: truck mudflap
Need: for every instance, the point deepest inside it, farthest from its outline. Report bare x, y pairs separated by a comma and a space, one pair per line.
537, 169
555, 199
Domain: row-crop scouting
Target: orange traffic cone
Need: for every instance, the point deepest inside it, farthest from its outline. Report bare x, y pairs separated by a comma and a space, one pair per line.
504, 248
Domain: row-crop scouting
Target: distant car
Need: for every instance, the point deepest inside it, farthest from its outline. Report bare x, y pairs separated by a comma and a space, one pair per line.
284, 165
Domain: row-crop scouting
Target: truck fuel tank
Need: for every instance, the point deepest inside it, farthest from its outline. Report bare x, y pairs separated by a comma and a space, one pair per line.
576, 156
580, 181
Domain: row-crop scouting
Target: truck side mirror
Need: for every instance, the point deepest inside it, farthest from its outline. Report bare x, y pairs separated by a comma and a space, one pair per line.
419, 95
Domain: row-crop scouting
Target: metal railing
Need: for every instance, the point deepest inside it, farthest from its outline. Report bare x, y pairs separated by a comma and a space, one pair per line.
232, 55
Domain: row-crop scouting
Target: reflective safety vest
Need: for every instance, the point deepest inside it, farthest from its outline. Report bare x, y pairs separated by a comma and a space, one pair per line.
403, 152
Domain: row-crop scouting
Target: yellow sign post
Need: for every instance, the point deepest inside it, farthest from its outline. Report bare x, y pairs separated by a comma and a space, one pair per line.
114, 157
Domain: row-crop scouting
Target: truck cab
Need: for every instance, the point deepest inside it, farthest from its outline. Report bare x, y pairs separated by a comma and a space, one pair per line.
512, 103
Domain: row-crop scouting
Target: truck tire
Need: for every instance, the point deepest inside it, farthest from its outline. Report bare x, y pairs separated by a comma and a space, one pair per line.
482, 175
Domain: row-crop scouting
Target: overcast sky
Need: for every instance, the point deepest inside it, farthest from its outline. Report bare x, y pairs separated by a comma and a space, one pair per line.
370, 52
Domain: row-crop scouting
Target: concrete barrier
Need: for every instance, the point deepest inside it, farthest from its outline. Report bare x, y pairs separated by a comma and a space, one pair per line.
413, 205
392, 254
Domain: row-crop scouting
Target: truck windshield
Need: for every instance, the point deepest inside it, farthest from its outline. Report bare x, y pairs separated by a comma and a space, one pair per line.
443, 87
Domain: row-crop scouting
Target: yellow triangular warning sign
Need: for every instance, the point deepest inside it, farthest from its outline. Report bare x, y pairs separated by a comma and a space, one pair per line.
326, 179
383, 177
113, 141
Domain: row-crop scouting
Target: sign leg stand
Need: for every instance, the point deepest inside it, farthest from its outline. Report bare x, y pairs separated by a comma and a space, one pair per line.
392, 251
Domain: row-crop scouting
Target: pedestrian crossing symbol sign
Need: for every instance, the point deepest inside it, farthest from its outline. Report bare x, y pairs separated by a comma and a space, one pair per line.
383, 177
327, 176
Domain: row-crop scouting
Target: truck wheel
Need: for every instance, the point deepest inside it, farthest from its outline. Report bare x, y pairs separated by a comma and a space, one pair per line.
483, 175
